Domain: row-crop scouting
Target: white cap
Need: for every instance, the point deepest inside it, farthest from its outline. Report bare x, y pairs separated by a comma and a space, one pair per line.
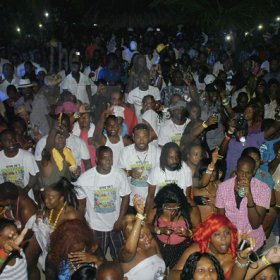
40, 69
151, 117
118, 111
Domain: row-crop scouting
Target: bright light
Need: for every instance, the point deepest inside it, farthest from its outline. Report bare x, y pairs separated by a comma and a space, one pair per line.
246, 34
228, 37
95, 24
278, 19
40, 25
18, 29
47, 14
260, 27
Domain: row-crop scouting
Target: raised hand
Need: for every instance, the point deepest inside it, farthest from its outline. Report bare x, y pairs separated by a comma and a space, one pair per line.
139, 204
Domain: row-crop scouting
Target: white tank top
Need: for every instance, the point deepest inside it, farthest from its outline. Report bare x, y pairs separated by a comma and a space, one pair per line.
147, 267
116, 148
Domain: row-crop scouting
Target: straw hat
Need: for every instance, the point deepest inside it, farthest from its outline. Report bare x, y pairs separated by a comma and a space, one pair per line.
24, 83
52, 80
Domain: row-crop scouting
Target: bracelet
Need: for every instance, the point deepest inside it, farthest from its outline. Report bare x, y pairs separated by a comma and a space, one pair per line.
240, 257
210, 172
158, 231
204, 124
210, 168
141, 217
242, 265
265, 260
230, 132
253, 206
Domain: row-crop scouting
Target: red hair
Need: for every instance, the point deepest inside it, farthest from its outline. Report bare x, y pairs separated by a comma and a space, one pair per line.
213, 223
68, 233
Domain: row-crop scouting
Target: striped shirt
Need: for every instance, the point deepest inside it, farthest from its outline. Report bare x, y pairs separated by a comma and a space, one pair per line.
16, 272
239, 217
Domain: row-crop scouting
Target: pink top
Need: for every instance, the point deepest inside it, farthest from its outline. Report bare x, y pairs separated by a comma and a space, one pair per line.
239, 217
174, 238
91, 149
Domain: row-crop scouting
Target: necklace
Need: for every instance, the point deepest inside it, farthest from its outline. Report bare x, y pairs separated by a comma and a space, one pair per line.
168, 181
142, 162
57, 217
75, 267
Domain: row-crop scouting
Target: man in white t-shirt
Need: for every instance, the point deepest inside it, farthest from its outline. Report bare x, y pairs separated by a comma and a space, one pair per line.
171, 169
77, 145
17, 165
172, 130
136, 95
103, 193
78, 83
137, 160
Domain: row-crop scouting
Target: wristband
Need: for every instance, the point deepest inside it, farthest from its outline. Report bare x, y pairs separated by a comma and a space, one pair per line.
230, 132
141, 217
253, 206
210, 172
210, 168
204, 124
265, 260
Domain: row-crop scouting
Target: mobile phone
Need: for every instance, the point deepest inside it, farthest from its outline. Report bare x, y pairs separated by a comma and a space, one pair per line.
200, 200
243, 245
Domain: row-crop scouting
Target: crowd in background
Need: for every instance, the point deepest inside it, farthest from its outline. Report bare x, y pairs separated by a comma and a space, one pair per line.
140, 156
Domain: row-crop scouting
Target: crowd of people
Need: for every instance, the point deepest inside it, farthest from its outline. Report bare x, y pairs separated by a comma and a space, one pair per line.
146, 159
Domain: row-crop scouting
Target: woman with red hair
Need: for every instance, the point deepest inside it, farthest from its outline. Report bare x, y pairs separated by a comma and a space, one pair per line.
218, 236
72, 245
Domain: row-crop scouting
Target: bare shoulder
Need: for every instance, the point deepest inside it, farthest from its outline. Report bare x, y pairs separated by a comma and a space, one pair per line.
71, 214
